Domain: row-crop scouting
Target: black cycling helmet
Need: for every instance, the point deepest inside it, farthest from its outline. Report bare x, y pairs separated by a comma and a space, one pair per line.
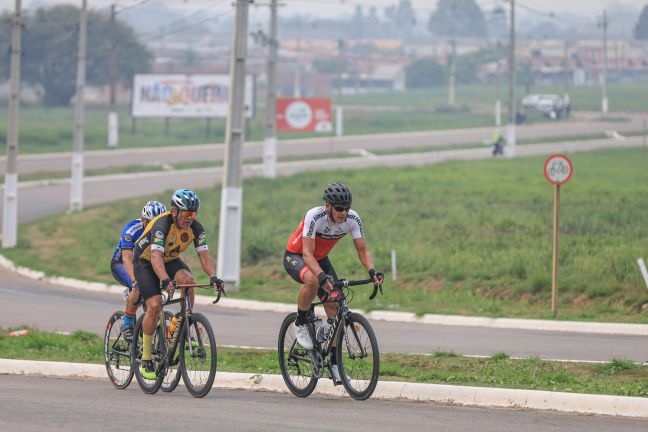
185, 199
337, 194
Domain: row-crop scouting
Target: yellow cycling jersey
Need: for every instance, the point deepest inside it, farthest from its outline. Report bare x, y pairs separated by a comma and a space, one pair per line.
163, 235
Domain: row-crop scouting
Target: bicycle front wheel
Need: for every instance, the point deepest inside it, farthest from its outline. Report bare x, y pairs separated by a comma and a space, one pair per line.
158, 352
172, 377
295, 361
117, 352
358, 357
198, 357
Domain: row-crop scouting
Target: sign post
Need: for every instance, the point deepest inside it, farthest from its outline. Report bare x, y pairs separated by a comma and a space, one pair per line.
558, 170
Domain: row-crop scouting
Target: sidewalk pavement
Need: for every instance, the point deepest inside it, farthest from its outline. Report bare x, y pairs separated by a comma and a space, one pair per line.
622, 406
450, 320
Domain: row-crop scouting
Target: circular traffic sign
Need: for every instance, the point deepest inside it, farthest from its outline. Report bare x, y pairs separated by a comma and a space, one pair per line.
558, 169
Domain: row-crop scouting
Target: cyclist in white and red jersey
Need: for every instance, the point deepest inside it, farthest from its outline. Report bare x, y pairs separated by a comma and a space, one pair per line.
306, 258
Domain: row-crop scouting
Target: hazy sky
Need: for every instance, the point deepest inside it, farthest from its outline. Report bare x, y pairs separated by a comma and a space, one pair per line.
332, 8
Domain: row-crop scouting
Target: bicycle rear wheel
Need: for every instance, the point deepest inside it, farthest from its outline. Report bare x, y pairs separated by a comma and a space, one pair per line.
295, 361
358, 357
117, 352
158, 352
173, 375
198, 356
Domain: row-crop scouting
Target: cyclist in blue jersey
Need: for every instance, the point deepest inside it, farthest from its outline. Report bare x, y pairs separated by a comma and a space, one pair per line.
121, 263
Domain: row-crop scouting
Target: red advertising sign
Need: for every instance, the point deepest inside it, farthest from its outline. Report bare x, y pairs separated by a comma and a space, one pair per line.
304, 115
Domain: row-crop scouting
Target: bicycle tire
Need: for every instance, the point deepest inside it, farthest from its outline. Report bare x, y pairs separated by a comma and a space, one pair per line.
198, 334
116, 350
359, 374
302, 382
157, 354
172, 377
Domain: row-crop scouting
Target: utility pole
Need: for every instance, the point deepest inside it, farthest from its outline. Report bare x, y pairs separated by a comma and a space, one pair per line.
566, 73
604, 101
270, 141
113, 119
338, 70
451, 60
10, 203
76, 186
229, 233
512, 72
498, 101
298, 78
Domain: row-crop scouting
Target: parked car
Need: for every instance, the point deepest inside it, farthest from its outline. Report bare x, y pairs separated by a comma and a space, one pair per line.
551, 105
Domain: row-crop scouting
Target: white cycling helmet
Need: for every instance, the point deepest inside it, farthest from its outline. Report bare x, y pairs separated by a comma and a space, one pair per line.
152, 209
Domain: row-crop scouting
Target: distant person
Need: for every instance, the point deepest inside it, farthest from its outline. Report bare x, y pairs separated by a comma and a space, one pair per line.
121, 264
306, 257
497, 143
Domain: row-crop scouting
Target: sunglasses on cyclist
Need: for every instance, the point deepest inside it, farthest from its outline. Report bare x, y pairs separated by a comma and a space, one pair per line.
342, 208
187, 214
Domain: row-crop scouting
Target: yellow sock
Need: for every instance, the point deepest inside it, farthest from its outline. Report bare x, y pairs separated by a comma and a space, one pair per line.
147, 343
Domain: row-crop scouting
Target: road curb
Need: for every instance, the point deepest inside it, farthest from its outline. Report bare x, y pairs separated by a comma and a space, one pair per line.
406, 317
622, 406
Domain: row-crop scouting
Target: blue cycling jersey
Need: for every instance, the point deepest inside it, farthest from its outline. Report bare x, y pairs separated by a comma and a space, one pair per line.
129, 235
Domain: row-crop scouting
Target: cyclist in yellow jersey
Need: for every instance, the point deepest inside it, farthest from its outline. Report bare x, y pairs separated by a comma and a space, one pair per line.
157, 263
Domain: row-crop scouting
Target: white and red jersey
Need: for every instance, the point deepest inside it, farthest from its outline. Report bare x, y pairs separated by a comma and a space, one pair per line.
318, 225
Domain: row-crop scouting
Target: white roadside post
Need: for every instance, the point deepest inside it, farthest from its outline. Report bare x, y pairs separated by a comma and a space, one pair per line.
644, 272
10, 203
339, 119
558, 169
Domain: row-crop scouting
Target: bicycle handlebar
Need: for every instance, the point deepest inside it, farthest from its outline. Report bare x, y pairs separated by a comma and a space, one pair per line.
168, 299
343, 283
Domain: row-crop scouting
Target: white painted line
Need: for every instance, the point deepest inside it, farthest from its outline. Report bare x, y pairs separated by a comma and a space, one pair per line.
456, 395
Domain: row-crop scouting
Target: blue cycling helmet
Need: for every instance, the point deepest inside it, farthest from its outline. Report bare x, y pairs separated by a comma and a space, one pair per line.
185, 199
152, 209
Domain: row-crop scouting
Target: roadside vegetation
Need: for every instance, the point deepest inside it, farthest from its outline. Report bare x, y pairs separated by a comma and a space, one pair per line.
617, 377
471, 238
51, 129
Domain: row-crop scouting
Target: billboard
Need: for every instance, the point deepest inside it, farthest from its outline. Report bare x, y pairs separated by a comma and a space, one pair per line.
186, 96
304, 115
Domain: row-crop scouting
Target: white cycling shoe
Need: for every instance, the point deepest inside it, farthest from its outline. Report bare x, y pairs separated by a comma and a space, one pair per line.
335, 375
303, 336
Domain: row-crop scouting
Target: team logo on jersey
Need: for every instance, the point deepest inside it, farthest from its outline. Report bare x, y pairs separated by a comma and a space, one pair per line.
142, 244
184, 237
159, 234
128, 238
203, 235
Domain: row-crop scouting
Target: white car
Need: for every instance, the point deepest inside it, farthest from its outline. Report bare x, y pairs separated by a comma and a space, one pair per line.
548, 104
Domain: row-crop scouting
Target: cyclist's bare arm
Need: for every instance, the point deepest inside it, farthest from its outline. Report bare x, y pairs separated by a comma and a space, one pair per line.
363, 254
308, 246
127, 259
158, 265
207, 263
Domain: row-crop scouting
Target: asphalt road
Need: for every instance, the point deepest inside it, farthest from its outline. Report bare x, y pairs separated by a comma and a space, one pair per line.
50, 307
40, 198
315, 146
31, 404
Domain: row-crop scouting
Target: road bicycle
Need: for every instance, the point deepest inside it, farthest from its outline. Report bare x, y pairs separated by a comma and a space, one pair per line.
357, 353
190, 347
117, 353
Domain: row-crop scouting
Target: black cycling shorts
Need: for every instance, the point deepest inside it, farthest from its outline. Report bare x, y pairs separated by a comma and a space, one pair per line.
148, 282
296, 267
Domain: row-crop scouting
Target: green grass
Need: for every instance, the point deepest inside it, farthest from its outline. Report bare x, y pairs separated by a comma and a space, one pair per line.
51, 129
618, 377
471, 238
